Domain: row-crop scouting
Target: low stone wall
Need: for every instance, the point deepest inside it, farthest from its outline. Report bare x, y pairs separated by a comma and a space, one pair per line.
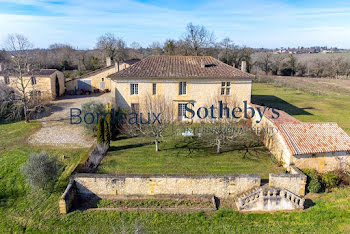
294, 182
222, 186
65, 202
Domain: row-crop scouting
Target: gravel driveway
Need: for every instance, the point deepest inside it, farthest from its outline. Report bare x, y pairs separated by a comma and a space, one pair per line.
56, 129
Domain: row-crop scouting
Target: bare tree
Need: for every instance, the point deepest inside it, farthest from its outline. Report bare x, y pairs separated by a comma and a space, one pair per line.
264, 62
228, 52
152, 119
19, 45
156, 48
169, 47
197, 38
113, 47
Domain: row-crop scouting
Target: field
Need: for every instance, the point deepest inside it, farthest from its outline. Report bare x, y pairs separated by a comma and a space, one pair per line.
24, 211
304, 104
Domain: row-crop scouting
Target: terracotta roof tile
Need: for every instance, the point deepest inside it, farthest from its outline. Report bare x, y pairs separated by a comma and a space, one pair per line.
181, 67
308, 138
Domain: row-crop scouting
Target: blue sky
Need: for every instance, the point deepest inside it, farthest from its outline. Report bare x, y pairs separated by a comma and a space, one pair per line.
264, 23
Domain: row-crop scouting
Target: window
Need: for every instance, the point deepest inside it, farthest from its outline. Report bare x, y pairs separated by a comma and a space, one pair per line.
181, 111
135, 107
103, 79
182, 88
154, 88
222, 91
134, 89
225, 88
33, 80
7, 80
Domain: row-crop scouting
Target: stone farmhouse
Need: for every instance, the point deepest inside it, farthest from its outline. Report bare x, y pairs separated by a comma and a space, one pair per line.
43, 82
98, 81
321, 146
180, 80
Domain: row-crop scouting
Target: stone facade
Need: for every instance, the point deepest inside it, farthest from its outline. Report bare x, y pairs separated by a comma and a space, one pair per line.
46, 85
202, 92
97, 78
323, 162
222, 186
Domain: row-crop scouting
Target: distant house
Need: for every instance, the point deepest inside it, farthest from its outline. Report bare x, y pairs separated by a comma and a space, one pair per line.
202, 80
43, 82
321, 146
98, 80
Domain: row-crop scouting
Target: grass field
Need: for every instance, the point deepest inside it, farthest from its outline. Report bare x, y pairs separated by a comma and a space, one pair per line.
137, 155
304, 106
22, 211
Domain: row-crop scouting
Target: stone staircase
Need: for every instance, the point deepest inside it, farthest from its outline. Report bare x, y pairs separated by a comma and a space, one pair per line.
269, 199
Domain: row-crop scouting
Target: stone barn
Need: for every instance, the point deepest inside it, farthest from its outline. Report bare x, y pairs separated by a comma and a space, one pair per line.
321, 146
42, 82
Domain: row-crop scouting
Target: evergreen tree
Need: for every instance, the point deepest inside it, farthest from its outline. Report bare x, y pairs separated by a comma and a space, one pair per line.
100, 130
107, 129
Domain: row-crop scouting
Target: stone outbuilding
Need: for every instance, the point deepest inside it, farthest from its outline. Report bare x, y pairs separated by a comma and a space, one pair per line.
98, 81
321, 146
42, 82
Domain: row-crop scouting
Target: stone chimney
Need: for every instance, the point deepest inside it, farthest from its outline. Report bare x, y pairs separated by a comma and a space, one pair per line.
244, 66
108, 61
234, 65
117, 66
28, 67
1, 67
202, 64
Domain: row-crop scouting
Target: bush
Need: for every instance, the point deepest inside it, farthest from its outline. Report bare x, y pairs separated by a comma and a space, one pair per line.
313, 184
94, 108
329, 180
41, 170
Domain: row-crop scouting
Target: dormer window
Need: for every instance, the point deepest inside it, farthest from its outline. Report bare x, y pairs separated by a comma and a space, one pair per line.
7, 80
33, 79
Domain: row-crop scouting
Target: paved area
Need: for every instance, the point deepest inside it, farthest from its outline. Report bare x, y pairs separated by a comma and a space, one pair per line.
56, 129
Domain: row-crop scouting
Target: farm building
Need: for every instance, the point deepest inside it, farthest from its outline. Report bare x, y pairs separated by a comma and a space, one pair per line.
97, 81
44, 82
321, 146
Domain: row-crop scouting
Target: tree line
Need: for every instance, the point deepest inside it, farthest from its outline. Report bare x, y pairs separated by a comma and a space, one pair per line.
196, 40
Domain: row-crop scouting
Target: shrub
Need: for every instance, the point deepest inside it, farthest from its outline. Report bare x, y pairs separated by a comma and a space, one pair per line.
95, 108
313, 184
100, 130
329, 180
41, 170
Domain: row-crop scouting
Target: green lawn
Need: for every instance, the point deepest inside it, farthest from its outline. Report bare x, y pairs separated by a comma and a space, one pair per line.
137, 155
304, 106
23, 211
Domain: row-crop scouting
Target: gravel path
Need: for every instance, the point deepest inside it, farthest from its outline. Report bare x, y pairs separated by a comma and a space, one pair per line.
56, 129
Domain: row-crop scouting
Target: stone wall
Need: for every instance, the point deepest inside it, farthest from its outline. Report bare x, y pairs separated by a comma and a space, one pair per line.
222, 186
294, 182
65, 202
323, 162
